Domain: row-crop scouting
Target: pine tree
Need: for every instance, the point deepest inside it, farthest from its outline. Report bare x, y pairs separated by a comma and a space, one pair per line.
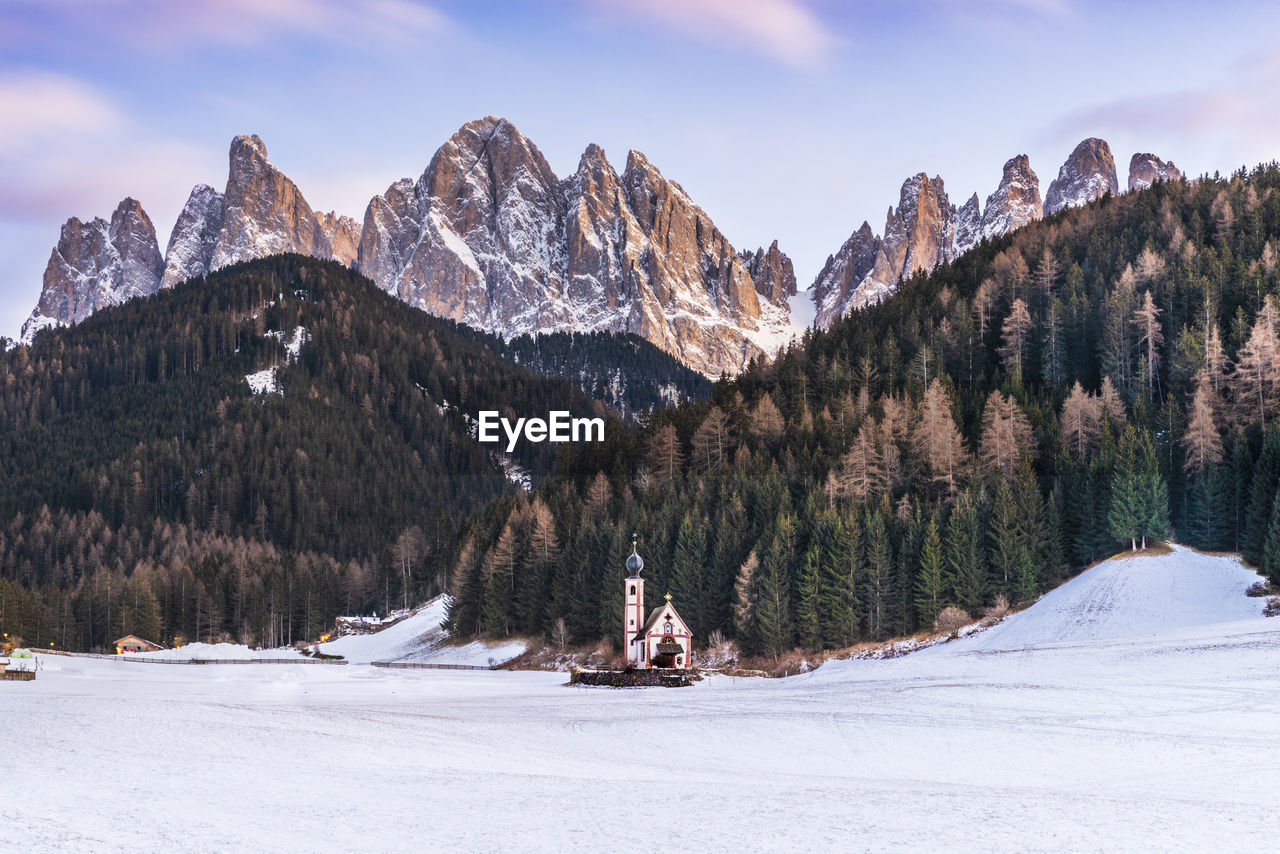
1262, 491
1125, 514
879, 570
809, 598
773, 602
930, 592
1014, 335
966, 558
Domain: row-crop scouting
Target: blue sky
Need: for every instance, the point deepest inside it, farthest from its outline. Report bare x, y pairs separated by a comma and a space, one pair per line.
787, 119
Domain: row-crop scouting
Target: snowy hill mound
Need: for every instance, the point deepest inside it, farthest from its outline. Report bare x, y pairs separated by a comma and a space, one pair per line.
1130, 597
420, 638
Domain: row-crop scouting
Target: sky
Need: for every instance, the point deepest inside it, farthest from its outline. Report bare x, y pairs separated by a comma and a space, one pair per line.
792, 120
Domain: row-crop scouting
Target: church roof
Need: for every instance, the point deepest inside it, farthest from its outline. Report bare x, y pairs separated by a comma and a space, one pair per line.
656, 614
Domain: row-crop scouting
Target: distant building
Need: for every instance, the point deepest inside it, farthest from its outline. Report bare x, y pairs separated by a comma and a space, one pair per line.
664, 640
133, 643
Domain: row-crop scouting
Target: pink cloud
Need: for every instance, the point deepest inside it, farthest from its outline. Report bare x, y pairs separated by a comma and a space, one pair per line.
783, 30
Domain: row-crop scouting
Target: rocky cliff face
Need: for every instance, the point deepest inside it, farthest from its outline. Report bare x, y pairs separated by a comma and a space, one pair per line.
919, 234
772, 272
194, 236
1015, 202
97, 264
834, 289
1088, 174
343, 234
968, 221
489, 236
263, 212
1145, 169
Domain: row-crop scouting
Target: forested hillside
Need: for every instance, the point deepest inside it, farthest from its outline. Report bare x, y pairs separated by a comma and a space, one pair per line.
625, 371
145, 488
1104, 376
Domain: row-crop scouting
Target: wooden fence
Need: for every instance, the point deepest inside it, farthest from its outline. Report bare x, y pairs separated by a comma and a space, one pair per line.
142, 658
423, 665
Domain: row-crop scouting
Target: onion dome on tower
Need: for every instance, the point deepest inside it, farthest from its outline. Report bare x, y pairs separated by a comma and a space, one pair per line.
635, 563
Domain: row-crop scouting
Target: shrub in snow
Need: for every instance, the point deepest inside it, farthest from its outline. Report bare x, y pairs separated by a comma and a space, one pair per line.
998, 609
1261, 588
1272, 608
952, 619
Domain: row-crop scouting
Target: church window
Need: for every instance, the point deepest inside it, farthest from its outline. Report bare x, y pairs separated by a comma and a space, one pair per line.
633, 590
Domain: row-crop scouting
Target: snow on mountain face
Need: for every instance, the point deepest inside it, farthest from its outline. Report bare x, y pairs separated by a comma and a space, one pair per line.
490, 237
343, 234
263, 212
968, 221
842, 274
194, 236
97, 264
1015, 202
1089, 173
1145, 169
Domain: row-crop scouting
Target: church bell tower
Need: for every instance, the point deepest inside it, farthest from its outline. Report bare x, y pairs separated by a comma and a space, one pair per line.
633, 607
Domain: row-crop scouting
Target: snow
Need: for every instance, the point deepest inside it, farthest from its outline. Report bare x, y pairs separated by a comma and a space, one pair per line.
1135, 709
421, 639
263, 382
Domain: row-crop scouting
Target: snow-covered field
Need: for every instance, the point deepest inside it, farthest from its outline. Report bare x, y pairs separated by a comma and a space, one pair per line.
1135, 709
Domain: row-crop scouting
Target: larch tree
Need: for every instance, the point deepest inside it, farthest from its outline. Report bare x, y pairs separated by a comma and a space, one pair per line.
1110, 407
1147, 321
1202, 442
862, 470
938, 441
1046, 274
666, 459
710, 441
766, 419
1256, 379
1081, 423
1006, 434
1014, 336
1216, 363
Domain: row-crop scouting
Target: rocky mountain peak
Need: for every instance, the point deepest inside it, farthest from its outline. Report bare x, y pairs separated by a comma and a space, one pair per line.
1016, 200
1089, 173
772, 272
263, 212
97, 264
968, 225
844, 272
1145, 169
490, 237
194, 236
343, 234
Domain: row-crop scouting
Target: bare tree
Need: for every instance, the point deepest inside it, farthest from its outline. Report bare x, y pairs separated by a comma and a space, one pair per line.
1110, 406
666, 459
861, 468
937, 440
1216, 363
1014, 334
710, 441
1202, 441
1256, 380
1147, 321
1081, 423
766, 419
1046, 275
1006, 434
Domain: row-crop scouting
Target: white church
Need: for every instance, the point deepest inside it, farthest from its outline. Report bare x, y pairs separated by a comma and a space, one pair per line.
664, 640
